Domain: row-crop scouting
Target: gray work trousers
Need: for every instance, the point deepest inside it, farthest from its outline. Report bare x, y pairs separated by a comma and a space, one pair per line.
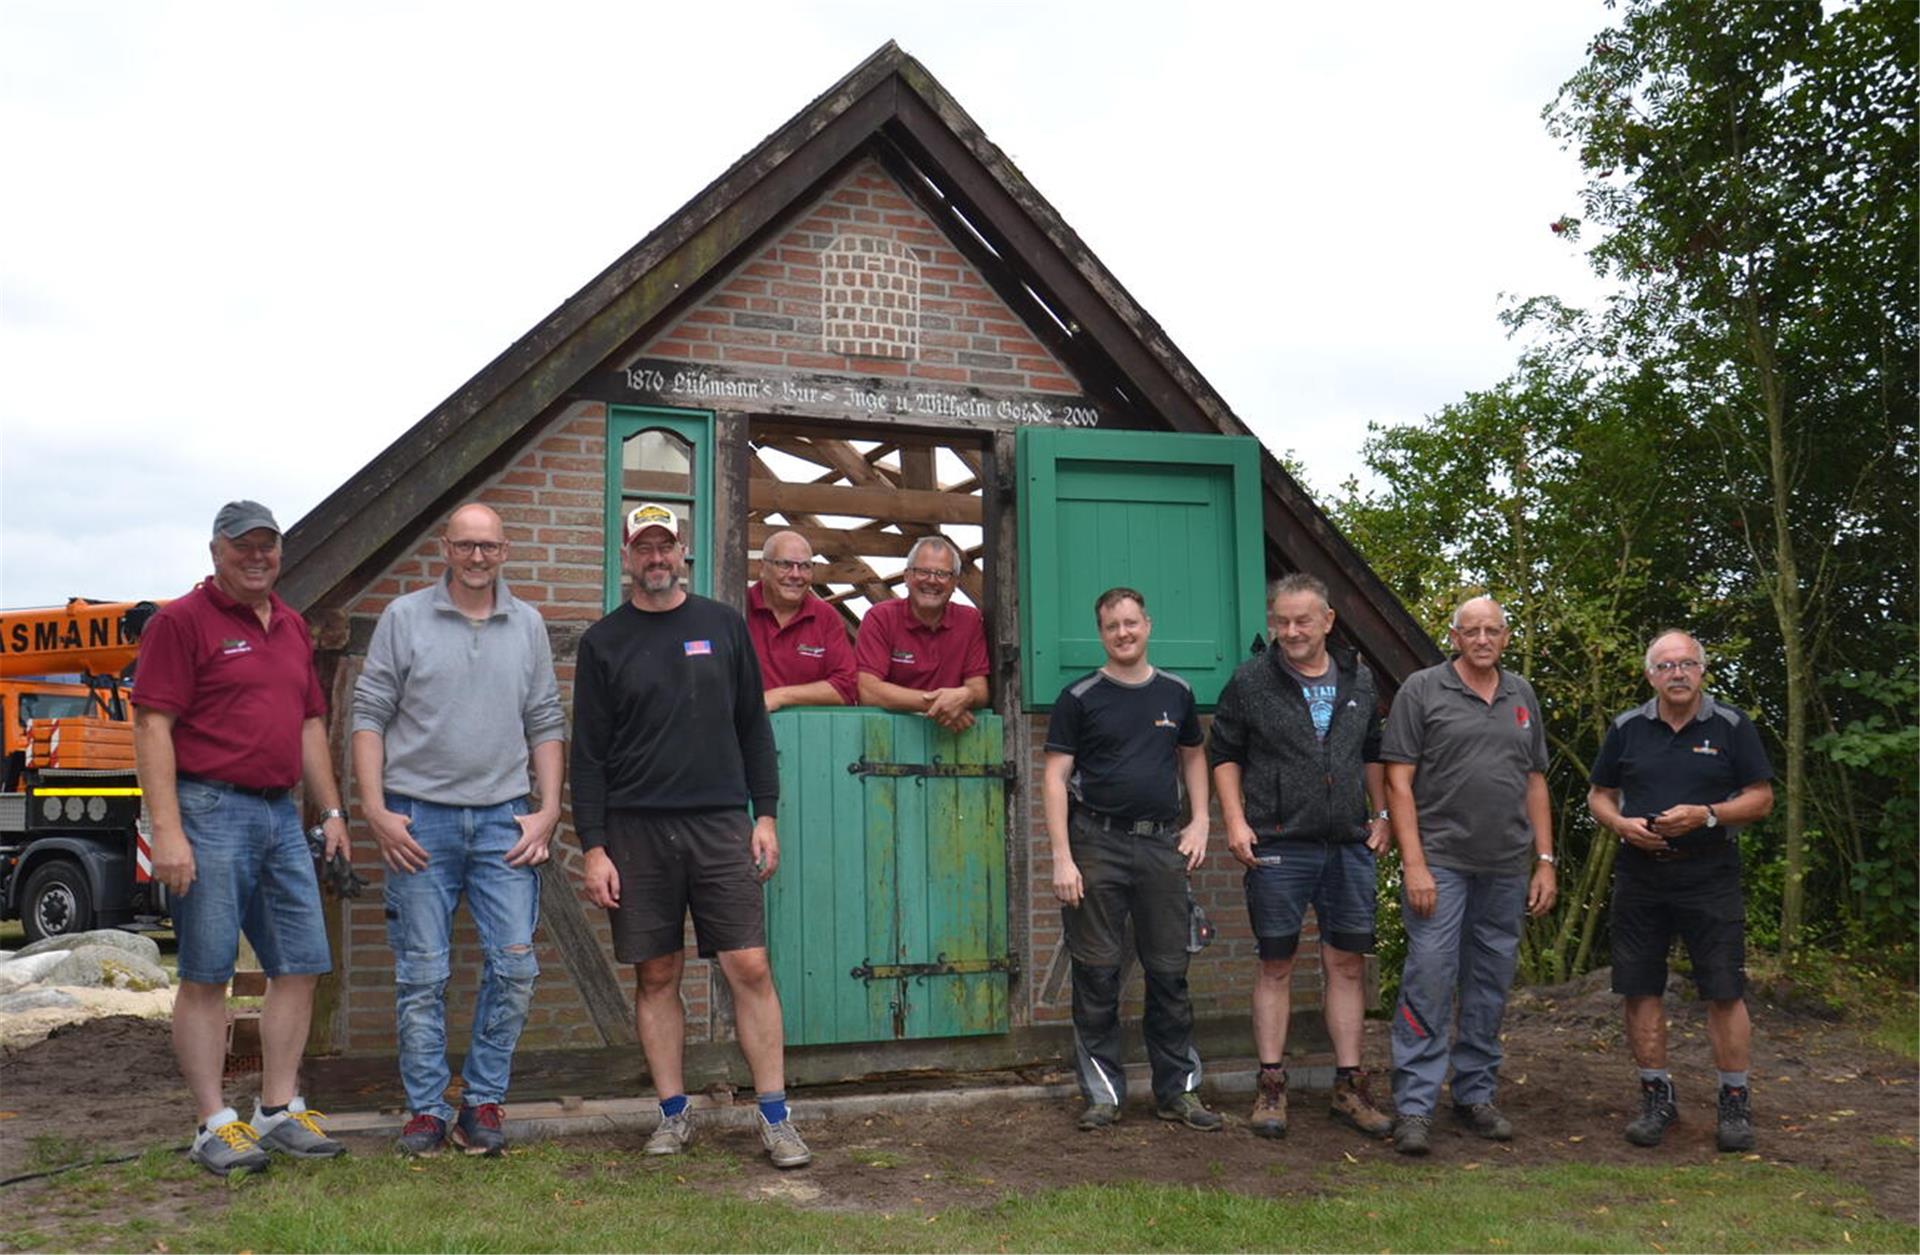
1469, 946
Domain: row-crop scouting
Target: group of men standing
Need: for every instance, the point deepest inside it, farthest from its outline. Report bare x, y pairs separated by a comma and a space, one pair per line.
1313, 785
456, 747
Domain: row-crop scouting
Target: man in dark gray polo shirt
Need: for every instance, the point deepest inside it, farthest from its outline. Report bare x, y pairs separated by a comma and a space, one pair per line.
1466, 757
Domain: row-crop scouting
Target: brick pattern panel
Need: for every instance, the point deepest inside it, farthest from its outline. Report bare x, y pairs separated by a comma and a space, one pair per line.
862, 283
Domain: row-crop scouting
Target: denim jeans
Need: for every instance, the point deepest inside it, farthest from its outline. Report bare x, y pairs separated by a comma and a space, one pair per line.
466, 852
1470, 944
252, 873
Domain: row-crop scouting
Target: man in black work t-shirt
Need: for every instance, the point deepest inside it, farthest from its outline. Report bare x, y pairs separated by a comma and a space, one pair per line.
1121, 742
670, 743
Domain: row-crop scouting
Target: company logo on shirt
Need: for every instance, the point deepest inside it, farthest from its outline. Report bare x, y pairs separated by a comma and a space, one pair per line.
1522, 716
1164, 722
1706, 747
903, 656
811, 651
697, 649
235, 645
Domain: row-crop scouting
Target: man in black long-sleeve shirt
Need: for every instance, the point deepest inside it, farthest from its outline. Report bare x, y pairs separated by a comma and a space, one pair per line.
670, 743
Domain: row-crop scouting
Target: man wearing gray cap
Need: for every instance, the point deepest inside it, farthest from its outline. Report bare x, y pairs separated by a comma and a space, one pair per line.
229, 718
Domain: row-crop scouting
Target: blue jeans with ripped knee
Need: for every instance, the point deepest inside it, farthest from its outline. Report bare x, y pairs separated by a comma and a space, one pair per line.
466, 853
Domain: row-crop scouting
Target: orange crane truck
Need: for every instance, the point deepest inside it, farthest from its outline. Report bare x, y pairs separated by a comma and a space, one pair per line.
74, 849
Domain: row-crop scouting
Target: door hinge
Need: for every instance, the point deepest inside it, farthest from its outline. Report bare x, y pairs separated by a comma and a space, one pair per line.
871, 971
936, 768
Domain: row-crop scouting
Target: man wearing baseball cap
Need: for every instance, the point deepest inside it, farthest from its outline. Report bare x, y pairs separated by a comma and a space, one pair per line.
671, 742
229, 718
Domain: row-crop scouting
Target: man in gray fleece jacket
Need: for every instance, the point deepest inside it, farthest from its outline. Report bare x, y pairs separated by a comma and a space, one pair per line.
457, 694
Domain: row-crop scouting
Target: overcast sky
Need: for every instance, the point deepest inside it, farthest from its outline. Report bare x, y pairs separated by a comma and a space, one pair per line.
243, 247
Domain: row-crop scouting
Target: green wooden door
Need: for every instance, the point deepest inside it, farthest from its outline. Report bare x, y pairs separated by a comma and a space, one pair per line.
1174, 516
888, 917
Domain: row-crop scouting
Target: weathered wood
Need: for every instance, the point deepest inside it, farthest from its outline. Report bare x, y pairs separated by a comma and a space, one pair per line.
866, 541
900, 504
565, 922
916, 468
871, 585
730, 452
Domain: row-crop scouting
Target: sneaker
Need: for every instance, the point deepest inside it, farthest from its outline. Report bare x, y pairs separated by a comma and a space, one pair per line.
1353, 1107
1657, 1111
1098, 1115
674, 1135
1269, 1118
227, 1142
1736, 1119
295, 1131
477, 1130
1413, 1135
424, 1135
1485, 1119
1187, 1109
784, 1145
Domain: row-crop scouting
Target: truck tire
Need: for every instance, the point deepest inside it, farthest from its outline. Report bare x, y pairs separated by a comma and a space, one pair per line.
57, 900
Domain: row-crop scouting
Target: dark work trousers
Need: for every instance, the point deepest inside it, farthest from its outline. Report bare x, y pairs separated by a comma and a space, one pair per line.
1143, 878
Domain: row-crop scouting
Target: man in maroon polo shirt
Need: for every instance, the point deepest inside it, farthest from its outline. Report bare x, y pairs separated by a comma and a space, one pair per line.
229, 718
921, 654
805, 658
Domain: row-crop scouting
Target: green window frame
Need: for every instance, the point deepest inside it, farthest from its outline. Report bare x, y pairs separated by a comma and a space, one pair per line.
694, 430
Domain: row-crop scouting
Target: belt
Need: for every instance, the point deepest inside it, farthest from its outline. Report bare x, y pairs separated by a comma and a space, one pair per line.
1676, 855
1131, 827
271, 795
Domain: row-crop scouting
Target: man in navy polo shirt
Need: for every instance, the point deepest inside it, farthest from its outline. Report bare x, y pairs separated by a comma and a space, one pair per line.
228, 718
1121, 743
1676, 780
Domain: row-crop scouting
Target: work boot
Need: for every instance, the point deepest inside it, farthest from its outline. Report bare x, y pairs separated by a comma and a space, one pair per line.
674, 1135
296, 1132
1098, 1115
1187, 1109
1485, 1119
1657, 1111
424, 1135
1353, 1106
1736, 1119
784, 1145
227, 1142
1269, 1118
1413, 1135
478, 1131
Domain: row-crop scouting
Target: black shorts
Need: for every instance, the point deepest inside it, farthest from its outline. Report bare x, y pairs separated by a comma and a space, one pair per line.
672, 863
1699, 900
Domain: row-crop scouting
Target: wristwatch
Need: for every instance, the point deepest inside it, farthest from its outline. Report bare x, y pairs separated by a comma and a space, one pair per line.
333, 813
1548, 859
1713, 820
1382, 814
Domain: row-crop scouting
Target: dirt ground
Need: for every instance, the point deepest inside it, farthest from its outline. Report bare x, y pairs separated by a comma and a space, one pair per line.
1824, 1100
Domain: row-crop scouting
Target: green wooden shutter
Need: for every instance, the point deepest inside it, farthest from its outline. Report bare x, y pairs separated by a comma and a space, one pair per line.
888, 916
1175, 516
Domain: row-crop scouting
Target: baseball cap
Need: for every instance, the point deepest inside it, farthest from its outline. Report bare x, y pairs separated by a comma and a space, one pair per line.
237, 518
651, 514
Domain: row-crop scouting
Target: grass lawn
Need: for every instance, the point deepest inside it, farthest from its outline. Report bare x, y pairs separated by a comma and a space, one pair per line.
549, 1197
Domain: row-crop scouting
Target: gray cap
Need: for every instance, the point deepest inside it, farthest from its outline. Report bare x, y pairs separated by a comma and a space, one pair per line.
237, 518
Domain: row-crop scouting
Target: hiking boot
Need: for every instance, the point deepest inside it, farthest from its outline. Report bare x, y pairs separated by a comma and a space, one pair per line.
784, 1145
1485, 1119
477, 1130
1187, 1109
674, 1135
1269, 1118
1413, 1135
1736, 1119
227, 1142
1098, 1115
1657, 1111
424, 1135
296, 1132
1353, 1106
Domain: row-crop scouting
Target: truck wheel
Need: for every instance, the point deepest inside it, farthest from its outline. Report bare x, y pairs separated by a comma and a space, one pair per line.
57, 901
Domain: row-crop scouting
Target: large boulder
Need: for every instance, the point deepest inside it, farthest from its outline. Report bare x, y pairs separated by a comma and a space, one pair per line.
17, 973
36, 999
107, 967
133, 943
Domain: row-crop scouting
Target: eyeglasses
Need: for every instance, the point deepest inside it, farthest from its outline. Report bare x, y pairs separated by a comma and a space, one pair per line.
932, 574
1679, 664
485, 548
650, 550
789, 566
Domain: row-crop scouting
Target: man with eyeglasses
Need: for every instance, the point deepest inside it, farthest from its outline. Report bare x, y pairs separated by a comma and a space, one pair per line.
801, 642
671, 742
1466, 755
922, 654
456, 697
229, 717
1676, 780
